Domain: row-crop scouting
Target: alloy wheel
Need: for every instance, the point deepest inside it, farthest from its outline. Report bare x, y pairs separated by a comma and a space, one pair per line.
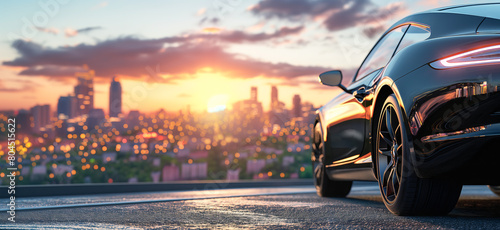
389, 146
318, 162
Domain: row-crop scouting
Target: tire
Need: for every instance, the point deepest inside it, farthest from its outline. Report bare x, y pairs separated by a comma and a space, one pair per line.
495, 189
325, 187
403, 193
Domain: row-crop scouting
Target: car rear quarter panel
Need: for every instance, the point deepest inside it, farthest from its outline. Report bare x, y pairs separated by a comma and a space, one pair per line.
433, 105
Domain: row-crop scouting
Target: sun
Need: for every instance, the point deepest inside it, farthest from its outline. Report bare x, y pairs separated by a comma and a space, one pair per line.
217, 103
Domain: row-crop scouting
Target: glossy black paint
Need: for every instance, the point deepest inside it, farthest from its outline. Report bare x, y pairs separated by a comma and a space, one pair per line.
453, 114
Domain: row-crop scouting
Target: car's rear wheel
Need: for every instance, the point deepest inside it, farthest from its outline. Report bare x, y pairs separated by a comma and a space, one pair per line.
495, 189
325, 187
402, 191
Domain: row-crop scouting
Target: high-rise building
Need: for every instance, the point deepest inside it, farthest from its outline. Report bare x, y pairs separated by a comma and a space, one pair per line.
253, 93
133, 118
274, 98
278, 114
251, 108
249, 113
115, 98
84, 91
297, 108
277, 107
24, 121
46, 114
96, 117
36, 112
41, 116
67, 107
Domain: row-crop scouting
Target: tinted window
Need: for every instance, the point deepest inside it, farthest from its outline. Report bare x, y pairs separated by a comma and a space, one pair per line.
413, 35
373, 74
382, 53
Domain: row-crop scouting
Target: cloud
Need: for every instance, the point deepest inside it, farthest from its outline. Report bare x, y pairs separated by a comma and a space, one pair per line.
334, 15
373, 31
294, 9
88, 29
69, 32
21, 86
379, 15
212, 30
171, 56
348, 17
52, 70
209, 20
240, 36
236, 36
54, 31
257, 27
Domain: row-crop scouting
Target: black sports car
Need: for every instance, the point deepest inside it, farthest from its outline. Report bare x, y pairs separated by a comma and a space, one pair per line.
421, 116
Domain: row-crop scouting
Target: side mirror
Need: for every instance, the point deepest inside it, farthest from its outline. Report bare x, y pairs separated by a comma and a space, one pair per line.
332, 78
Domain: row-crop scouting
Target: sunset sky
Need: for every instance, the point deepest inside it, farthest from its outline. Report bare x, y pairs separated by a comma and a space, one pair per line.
170, 54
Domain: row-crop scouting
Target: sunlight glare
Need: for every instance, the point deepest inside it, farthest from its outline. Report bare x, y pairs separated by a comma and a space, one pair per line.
217, 103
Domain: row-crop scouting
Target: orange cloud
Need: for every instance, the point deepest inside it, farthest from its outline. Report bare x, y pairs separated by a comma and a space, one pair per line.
212, 30
137, 58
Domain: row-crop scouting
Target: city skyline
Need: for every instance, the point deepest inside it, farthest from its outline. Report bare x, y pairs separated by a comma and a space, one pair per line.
80, 143
77, 108
80, 102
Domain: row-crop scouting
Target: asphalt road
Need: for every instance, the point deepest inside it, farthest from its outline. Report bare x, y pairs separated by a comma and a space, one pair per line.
266, 208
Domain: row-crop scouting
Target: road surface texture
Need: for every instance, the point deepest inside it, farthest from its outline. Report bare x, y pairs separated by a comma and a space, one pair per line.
262, 208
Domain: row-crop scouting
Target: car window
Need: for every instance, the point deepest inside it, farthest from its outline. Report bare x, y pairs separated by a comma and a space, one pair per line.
373, 74
382, 52
413, 35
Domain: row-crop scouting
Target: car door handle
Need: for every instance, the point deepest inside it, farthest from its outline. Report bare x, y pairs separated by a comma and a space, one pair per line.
361, 93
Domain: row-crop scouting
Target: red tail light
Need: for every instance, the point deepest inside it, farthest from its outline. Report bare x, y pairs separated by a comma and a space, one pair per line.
481, 56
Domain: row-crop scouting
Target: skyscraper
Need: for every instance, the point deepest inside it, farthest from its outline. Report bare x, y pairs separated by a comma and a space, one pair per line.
297, 108
278, 114
84, 91
115, 98
253, 93
36, 112
67, 107
133, 118
96, 117
24, 121
46, 114
274, 98
250, 108
41, 116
